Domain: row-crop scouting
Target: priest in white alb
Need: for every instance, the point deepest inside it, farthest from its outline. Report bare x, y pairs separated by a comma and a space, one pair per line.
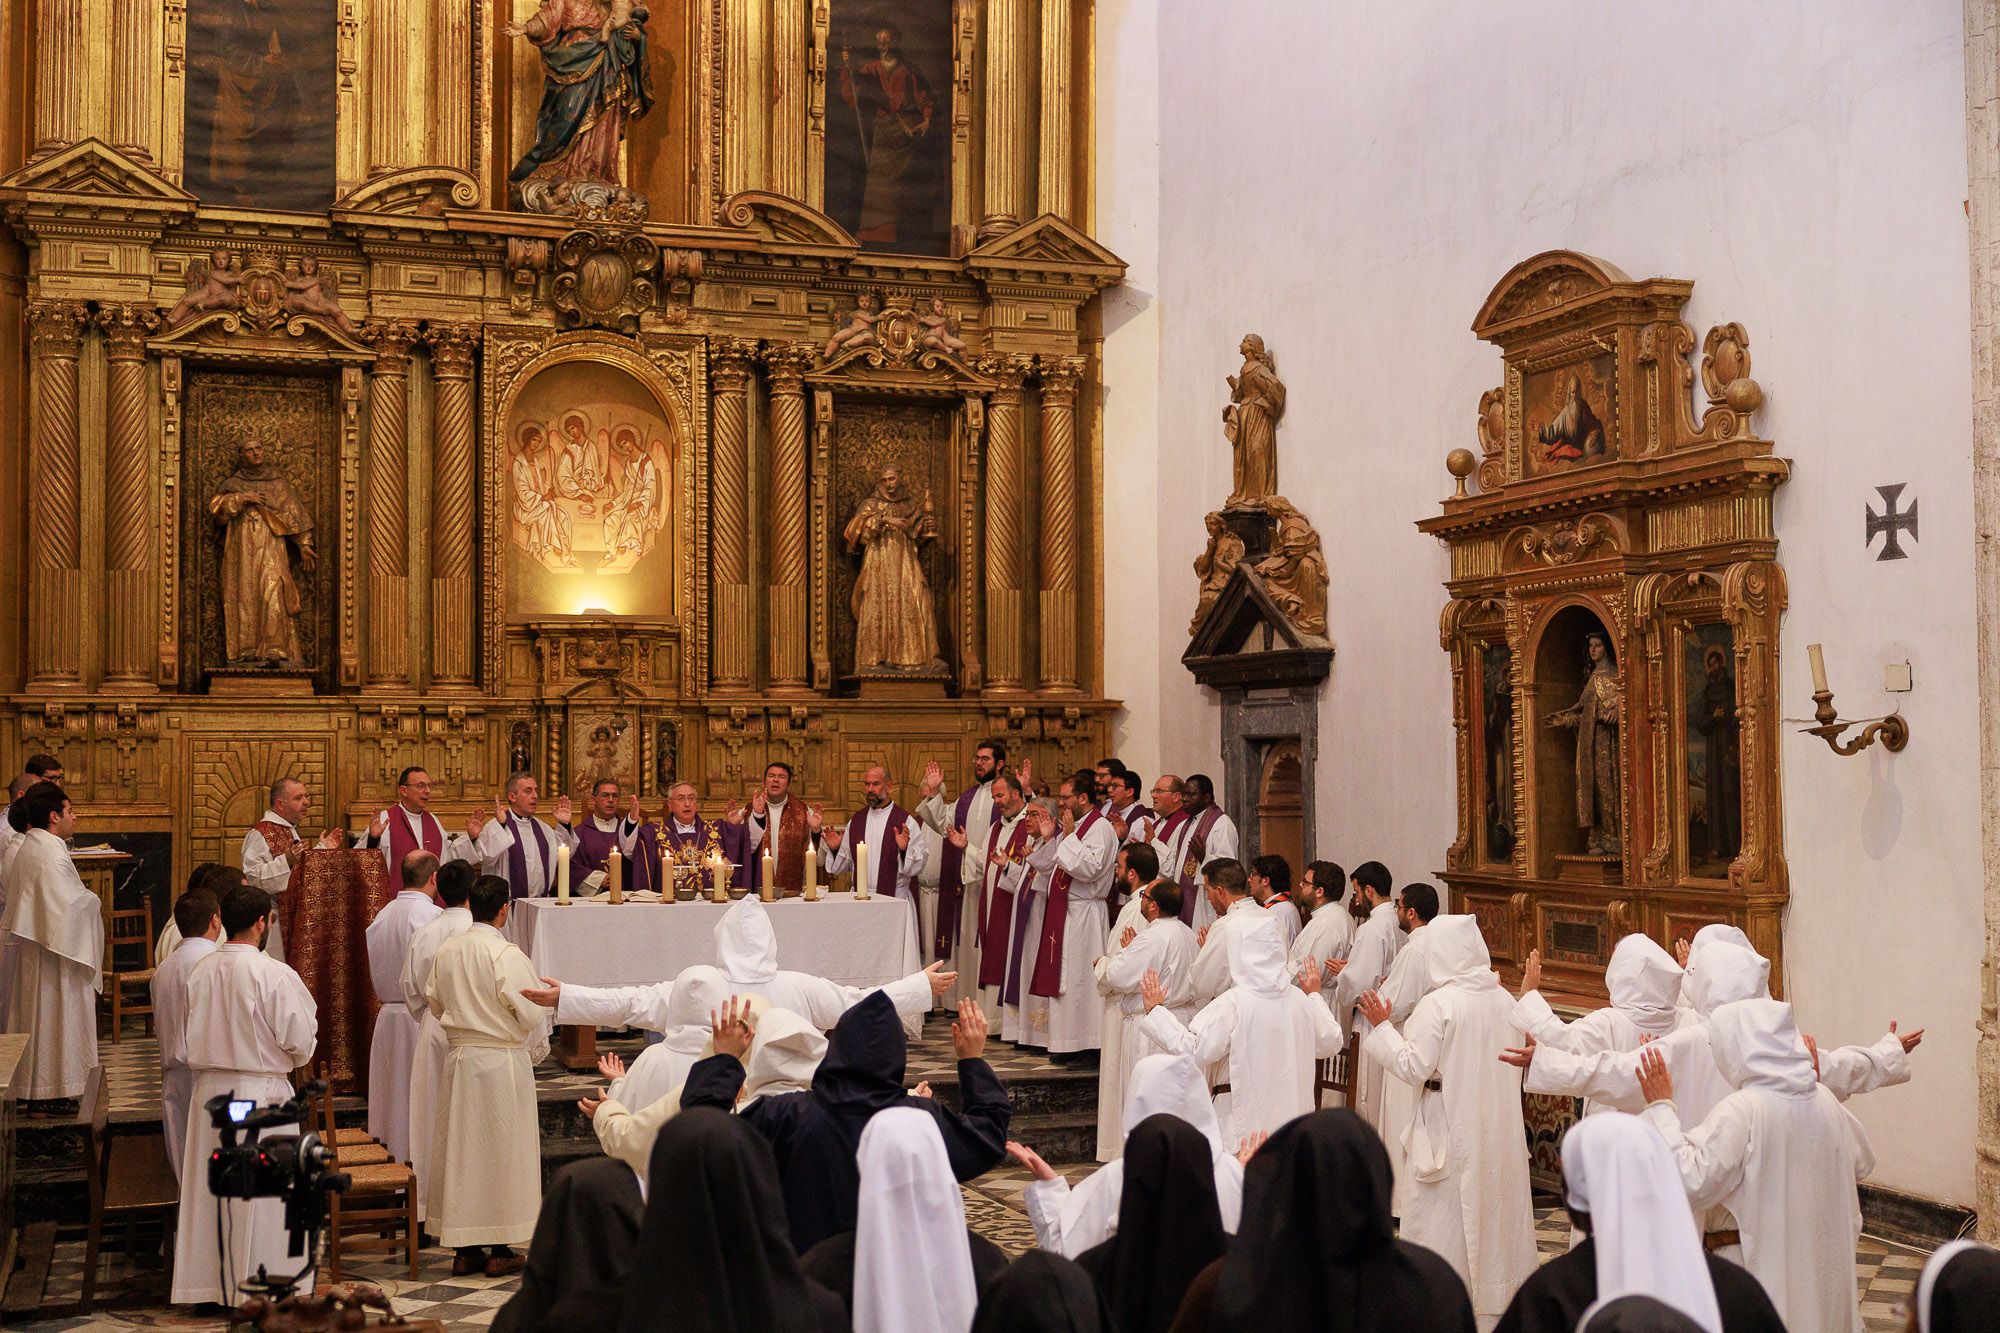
250, 1023
392, 1047
1376, 944
1061, 1009
1226, 884
54, 928
1162, 946
486, 1186
272, 846
525, 851
967, 827
454, 888
1329, 929
1467, 1149
409, 826
1409, 980
199, 916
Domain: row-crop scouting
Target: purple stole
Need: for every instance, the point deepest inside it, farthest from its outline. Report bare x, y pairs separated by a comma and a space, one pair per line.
1197, 844
1047, 981
517, 857
401, 843
885, 866
951, 886
996, 916
642, 868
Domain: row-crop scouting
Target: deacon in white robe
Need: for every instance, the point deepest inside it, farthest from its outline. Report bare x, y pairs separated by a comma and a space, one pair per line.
1782, 1155
55, 933
1328, 933
1265, 1032
1409, 980
1070, 1219
1087, 853
201, 933
1228, 892
487, 1186
1160, 945
1374, 950
250, 1023
970, 834
520, 848
1467, 1148
1138, 867
392, 1047
1271, 886
454, 884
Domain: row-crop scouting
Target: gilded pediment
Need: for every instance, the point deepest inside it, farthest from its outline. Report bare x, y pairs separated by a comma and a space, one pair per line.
92, 180
785, 221
1049, 243
414, 192
1546, 282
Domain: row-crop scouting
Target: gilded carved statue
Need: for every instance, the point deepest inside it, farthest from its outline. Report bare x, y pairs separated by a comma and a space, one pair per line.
1596, 715
212, 284
308, 291
595, 80
1214, 566
895, 627
264, 519
1294, 572
1250, 422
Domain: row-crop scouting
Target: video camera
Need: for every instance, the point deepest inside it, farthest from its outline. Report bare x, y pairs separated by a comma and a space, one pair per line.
297, 1168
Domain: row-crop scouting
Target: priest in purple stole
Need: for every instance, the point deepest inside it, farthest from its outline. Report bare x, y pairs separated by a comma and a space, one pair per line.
686, 832
636, 838
895, 852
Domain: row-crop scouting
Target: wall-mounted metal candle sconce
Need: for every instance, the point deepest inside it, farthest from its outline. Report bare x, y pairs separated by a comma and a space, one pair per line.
1892, 731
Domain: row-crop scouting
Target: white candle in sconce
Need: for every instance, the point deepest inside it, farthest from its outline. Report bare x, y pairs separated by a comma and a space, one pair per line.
1818, 660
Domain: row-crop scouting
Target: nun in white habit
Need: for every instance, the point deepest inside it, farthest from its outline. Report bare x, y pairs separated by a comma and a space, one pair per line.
662, 1067
1071, 1219
912, 1264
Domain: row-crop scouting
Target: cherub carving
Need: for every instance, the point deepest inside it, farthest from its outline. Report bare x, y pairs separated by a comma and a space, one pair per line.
310, 292
938, 331
211, 285
859, 331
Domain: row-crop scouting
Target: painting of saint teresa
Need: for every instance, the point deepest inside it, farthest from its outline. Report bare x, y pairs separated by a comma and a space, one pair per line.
260, 103
888, 125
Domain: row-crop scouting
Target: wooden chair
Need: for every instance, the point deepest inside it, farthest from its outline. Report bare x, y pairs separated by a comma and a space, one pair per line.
382, 1198
129, 1175
1336, 1074
131, 935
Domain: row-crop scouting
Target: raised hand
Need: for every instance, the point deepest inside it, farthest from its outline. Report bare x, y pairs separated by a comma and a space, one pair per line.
1249, 1146
735, 816
547, 995
1119, 826
1655, 1083
758, 805
632, 811
1031, 1159
1812, 1049
590, 1105
335, 838
1335, 966
294, 853
832, 835
941, 980
1373, 1008
902, 837
611, 1066
1519, 1056
378, 825
500, 806
1126, 937
1681, 948
815, 818
1531, 975
1309, 975
956, 837
1911, 1041
473, 823
1151, 993
923, 1090
731, 1026
564, 810
1027, 775
933, 779
968, 1034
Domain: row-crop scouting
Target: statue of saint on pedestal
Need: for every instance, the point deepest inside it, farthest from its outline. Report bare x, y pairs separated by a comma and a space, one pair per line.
894, 625
260, 601
1596, 715
595, 78
1256, 401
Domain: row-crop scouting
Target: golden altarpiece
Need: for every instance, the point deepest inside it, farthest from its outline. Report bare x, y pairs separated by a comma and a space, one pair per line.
589, 416
1613, 629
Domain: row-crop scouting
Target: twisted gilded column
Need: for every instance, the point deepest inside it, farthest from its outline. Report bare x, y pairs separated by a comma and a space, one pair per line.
388, 504
790, 512
55, 483
1057, 88
732, 633
454, 511
128, 524
1010, 139
1061, 531
746, 91
137, 77
1005, 492
399, 83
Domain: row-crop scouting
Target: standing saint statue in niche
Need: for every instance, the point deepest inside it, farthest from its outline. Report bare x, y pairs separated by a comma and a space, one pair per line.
1250, 422
894, 625
260, 601
595, 78
1596, 716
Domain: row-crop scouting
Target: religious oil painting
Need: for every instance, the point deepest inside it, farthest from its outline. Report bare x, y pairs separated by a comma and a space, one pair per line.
1496, 692
589, 482
260, 103
1714, 759
888, 123
1569, 417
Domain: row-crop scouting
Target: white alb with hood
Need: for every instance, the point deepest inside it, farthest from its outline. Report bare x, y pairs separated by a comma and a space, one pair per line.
663, 1066
746, 947
1645, 986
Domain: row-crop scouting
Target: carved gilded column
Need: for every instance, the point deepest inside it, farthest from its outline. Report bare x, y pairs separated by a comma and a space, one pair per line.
732, 633
69, 97
128, 527
450, 87
55, 483
1010, 143
1005, 492
787, 366
388, 504
746, 90
454, 512
399, 82
789, 77
1056, 155
138, 65
1061, 532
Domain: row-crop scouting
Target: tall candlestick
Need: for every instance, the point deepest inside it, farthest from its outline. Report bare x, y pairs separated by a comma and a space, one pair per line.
1818, 668
812, 872
860, 869
614, 874
768, 882
562, 873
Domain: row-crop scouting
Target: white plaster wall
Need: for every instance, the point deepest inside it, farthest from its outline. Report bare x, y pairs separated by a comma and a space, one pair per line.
1351, 179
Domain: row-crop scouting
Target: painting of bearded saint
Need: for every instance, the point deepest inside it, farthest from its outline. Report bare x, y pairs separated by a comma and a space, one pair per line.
888, 128
894, 626
1571, 430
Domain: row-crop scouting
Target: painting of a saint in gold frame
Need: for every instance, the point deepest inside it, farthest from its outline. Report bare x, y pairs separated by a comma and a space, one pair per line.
260, 103
888, 124
1569, 416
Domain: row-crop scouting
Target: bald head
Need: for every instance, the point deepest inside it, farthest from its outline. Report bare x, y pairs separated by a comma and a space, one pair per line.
20, 785
875, 785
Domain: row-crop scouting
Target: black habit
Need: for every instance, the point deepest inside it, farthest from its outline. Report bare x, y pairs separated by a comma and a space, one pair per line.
1043, 1293
1554, 1298
1169, 1225
581, 1252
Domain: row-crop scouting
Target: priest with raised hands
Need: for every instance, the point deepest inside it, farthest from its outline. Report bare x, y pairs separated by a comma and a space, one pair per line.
54, 929
409, 826
636, 838
685, 832
966, 827
1130, 820
250, 1023
1062, 1010
1160, 945
520, 848
1328, 932
894, 854
454, 892
273, 846
392, 1047
1000, 899
771, 815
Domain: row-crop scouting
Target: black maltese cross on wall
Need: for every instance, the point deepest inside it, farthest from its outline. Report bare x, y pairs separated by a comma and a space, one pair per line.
1891, 523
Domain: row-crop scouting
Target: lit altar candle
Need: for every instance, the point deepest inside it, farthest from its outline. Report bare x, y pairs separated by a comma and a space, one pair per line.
812, 873
716, 868
860, 869
614, 874
562, 873
767, 884
1818, 668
